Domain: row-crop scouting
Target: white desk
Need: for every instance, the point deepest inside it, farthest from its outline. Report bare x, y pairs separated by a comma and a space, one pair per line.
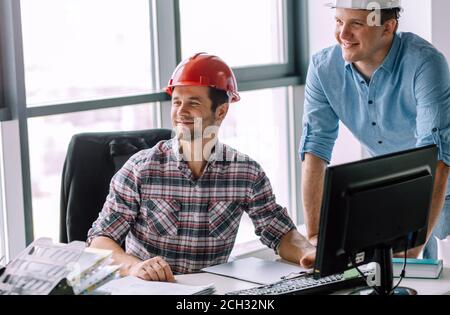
440, 286
224, 284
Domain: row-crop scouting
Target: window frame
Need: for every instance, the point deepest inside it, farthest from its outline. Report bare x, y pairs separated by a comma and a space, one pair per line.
5, 114
17, 185
262, 72
3, 235
165, 33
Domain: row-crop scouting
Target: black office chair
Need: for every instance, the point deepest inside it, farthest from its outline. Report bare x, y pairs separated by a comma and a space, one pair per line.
92, 160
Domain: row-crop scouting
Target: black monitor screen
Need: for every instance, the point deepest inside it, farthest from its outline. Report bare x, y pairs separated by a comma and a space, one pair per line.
382, 202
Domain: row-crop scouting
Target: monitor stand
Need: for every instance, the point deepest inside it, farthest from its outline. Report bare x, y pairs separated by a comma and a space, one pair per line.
383, 256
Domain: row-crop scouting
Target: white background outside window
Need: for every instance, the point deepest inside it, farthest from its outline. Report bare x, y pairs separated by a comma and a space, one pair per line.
80, 49
243, 33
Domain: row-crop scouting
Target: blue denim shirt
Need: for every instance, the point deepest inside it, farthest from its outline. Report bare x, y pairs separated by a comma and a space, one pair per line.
406, 104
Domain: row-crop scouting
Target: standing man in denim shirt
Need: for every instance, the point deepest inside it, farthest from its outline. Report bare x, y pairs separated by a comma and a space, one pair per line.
392, 90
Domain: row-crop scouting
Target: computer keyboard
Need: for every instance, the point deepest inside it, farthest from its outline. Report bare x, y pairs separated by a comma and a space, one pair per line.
305, 285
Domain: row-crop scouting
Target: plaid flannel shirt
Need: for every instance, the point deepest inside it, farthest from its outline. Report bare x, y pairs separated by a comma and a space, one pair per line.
157, 206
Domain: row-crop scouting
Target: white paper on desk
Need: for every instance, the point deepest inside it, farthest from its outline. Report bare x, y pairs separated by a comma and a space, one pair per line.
257, 270
444, 251
135, 286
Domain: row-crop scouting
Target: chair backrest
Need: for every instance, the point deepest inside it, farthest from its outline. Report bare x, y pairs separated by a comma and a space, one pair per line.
92, 160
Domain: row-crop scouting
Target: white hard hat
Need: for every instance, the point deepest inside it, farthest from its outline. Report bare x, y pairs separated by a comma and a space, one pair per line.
365, 4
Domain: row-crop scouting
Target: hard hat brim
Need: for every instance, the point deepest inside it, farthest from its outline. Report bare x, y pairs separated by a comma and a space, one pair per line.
334, 6
234, 96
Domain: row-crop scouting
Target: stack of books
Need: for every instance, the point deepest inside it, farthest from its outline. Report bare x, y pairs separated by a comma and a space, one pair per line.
418, 268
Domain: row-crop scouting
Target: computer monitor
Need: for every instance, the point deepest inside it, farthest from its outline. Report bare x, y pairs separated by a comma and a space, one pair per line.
374, 208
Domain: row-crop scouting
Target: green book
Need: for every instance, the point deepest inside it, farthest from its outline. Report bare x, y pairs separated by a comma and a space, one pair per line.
418, 268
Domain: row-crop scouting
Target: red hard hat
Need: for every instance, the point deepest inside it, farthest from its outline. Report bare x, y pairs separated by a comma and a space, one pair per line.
205, 70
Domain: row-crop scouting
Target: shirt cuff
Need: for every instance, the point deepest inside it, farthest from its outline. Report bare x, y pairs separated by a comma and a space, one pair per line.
443, 145
317, 151
273, 233
317, 148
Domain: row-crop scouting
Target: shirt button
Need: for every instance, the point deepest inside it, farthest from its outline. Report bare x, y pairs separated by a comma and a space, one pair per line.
435, 130
374, 124
370, 102
380, 142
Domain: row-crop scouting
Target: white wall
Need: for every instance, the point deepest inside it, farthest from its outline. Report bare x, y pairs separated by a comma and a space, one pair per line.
440, 25
416, 17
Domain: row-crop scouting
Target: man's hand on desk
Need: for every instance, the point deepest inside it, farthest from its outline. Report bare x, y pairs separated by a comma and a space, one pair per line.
154, 269
314, 240
309, 258
295, 248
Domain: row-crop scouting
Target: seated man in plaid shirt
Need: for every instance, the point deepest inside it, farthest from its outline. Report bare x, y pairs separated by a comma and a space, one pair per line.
179, 204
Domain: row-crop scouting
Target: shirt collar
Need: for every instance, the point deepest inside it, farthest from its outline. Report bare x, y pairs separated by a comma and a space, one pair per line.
176, 154
217, 153
389, 61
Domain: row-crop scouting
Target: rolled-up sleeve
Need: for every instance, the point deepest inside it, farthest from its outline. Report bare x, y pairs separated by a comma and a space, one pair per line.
432, 90
121, 207
271, 221
320, 122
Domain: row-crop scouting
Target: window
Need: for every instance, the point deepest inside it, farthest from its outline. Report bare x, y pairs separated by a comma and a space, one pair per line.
77, 51
243, 33
256, 126
49, 138
84, 49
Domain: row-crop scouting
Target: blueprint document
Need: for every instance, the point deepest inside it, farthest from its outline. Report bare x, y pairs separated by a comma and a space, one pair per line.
135, 286
258, 270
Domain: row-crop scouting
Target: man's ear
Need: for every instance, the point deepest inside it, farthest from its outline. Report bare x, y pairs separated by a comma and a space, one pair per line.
221, 112
390, 26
